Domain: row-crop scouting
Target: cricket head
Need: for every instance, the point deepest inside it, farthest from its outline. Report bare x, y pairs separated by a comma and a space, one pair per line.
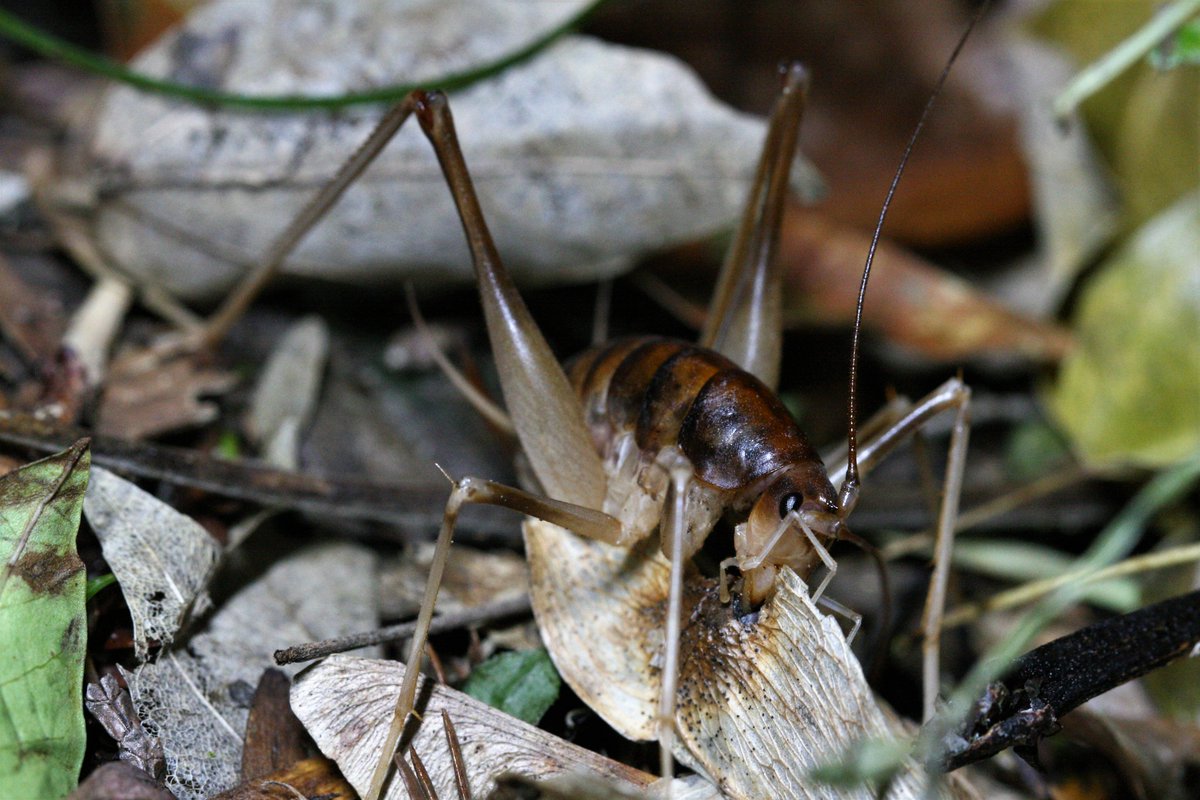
798, 507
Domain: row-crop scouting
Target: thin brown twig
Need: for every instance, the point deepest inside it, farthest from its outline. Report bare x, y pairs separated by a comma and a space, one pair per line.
509, 607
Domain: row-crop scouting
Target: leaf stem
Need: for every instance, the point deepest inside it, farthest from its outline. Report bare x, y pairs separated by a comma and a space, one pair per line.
1103, 70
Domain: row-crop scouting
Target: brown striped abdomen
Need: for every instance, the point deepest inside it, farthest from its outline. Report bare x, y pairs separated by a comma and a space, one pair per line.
730, 425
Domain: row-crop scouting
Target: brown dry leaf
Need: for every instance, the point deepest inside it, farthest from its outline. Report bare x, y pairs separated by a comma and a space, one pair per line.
911, 302
117, 780
311, 778
346, 704
112, 707
274, 737
145, 398
32, 322
762, 700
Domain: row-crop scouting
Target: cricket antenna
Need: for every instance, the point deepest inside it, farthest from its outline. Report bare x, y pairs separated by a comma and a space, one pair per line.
848, 494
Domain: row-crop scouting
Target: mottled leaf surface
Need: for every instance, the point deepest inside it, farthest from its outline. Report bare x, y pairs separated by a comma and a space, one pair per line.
42, 627
196, 698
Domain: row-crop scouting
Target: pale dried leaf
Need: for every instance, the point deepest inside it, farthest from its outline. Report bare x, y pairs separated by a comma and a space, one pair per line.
346, 704
762, 700
287, 389
112, 707
581, 786
585, 156
196, 699
472, 578
162, 559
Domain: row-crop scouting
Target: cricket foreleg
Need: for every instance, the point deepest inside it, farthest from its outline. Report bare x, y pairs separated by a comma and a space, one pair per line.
674, 533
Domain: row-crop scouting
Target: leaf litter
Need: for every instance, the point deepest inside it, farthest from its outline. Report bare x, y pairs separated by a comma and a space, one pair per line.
195, 697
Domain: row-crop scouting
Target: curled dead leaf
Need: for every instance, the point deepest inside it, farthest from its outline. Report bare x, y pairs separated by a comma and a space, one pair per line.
927, 310
763, 699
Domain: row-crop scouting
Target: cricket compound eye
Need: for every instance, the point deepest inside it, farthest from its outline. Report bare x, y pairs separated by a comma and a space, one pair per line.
789, 503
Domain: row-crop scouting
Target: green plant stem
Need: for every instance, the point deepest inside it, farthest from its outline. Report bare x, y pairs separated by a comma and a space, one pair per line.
1101, 72
52, 47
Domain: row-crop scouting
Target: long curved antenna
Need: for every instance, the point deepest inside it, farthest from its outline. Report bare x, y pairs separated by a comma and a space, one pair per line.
848, 494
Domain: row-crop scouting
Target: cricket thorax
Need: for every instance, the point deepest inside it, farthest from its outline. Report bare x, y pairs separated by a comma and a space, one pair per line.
644, 397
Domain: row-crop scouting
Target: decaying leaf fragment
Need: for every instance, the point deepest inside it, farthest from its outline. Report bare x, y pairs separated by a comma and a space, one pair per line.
111, 705
162, 559
763, 700
346, 704
577, 173
43, 630
196, 698
1131, 391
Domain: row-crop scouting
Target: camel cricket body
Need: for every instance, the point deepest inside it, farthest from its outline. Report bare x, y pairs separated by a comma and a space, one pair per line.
652, 436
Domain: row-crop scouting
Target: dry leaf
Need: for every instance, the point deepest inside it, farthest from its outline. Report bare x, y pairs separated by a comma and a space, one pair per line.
286, 392
916, 305
117, 780
581, 786
346, 704
141, 402
577, 173
113, 709
762, 700
472, 578
196, 698
32, 322
274, 737
1074, 206
310, 779
162, 559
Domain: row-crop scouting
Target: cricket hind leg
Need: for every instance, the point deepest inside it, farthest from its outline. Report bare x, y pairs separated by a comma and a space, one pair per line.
475, 491
744, 319
546, 413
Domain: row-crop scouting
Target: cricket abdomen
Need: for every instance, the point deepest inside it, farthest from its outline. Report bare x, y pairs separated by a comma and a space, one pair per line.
666, 392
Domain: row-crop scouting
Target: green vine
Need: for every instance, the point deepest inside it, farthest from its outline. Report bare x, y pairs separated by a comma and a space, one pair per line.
52, 47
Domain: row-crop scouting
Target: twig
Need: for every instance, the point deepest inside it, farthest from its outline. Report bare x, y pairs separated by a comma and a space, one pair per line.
1101, 72
510, 607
